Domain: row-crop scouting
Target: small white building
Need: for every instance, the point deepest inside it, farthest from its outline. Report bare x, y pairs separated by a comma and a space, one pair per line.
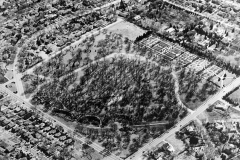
137, 17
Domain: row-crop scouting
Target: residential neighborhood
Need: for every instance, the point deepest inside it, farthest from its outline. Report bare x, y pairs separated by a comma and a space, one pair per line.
119, 80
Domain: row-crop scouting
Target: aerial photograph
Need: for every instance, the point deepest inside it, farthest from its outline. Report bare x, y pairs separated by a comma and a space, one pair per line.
119, 79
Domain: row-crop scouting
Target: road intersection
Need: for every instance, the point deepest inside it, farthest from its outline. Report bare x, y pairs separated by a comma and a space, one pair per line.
95, 146
186, 120
153, 143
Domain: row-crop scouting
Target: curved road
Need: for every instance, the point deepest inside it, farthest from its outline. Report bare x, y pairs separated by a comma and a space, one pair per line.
186, 120
95, 146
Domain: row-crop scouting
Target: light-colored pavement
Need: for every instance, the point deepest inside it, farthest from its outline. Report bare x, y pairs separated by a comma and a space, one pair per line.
113, 55
186, 120
17, 78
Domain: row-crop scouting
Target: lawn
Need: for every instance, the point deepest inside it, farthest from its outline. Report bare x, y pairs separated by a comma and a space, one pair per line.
12, 87
1, 2
235, 96
6, 139
184, 156
71, 125
99, 45
9, 67
229, 78
2, 79
127, 30
217, 114
25, 86
9, 75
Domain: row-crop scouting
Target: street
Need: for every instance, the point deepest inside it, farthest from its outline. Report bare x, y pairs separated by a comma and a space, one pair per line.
137, 155
76, 43
95, 146
203, 15
186, 120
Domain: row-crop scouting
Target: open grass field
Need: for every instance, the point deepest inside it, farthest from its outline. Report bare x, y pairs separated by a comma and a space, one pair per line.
127, 30
235, 96
2, 79
9, 67
12, 87
184, 157
1, 2
217, 114
229, 78
98, 46
124, 29
72, 125
9, 75
25, 86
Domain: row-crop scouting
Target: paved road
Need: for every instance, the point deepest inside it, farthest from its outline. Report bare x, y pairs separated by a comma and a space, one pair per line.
186, 120
95, 146
75, 44
203, 15
17, 77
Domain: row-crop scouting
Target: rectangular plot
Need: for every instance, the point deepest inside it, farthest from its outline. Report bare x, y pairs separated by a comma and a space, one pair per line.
163, 44
176, 51
170, 54
158, 47
216, 69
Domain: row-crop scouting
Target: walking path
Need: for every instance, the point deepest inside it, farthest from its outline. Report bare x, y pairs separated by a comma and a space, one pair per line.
95, 146
176, 86
19, 85
186, 120
73, 45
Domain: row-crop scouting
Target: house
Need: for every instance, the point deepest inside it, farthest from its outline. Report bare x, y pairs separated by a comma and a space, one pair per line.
190, 128
137, 17
2, 150
10, 148
219, 126
168, 147
170, 30
122, 14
